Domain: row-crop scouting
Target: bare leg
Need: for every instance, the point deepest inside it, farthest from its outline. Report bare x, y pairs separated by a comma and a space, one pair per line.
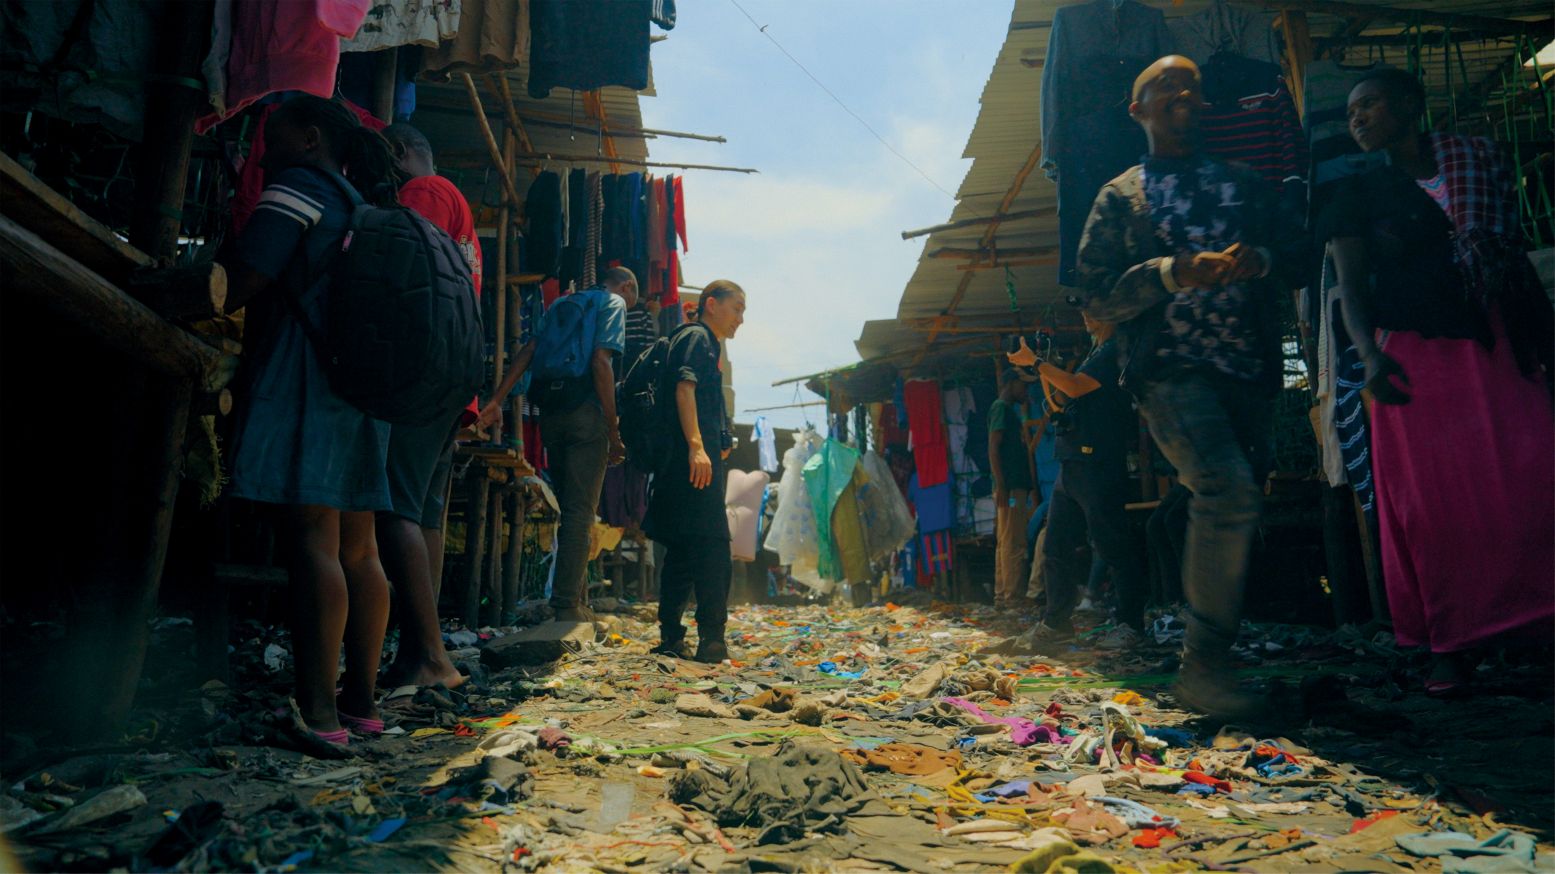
421, 660
434, 540
369, 613
319, 605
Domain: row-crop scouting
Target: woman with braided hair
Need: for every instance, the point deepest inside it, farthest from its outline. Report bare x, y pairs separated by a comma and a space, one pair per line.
296, 443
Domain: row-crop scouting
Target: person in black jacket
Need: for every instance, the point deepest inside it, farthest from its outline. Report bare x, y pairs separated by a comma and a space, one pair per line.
686, 509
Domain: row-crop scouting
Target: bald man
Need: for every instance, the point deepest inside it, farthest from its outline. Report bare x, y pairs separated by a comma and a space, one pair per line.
1188, 256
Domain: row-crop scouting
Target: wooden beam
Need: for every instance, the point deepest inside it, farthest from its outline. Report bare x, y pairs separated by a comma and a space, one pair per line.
1342, 37
990, 254
40, 209
192, 293
385, 70
515, 124
1019, 262
982, 220
594, 107
493, 152
1298, 53
86, 300
464, 159
1510, 26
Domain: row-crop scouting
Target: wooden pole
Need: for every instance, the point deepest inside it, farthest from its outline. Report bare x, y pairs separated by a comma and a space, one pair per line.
511, 581
40, 209
491, 141
88, 301
492, 584
385, 72
163, 171
504, 221
193, 293
1298, 53
999, 218
475, 541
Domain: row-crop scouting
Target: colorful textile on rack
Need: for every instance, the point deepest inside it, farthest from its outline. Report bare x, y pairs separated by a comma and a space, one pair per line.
936, 555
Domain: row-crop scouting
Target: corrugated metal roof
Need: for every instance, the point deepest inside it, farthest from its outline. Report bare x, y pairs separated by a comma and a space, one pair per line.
1008, 129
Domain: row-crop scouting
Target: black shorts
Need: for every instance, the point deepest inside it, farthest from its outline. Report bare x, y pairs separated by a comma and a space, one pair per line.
420, 461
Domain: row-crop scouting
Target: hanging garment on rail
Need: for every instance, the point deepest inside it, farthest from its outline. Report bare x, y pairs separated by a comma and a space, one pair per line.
1226, 28
586, 46
543, 238
393, 23
1094, 53
1252, 120
493, 35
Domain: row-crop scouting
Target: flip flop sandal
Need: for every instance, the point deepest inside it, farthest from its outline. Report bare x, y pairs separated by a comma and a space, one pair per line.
359, 724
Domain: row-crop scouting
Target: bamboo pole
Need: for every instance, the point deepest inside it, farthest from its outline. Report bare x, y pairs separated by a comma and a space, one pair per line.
997, 218
475, 541
456, 159
491, 140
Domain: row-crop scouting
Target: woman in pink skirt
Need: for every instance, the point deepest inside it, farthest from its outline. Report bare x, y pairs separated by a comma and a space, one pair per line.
1442, 303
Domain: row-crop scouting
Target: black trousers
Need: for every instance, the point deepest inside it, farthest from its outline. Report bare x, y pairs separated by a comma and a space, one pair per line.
1088, 503
701, 565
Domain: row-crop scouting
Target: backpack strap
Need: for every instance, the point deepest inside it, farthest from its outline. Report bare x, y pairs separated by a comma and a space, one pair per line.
312, 272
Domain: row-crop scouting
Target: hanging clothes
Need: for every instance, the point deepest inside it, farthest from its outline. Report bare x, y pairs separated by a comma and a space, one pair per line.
927, 426
1252, 120
826, 475
358, 79
1225, 28
594, 230
1095, 51
587, 46
493, 35
394, 23
766, 444
543, 237
284, 47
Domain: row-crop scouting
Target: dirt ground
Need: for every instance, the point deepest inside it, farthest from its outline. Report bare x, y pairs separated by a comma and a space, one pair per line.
838, 739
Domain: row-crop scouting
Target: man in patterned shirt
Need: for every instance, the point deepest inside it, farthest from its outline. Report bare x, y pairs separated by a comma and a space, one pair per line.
1187, 255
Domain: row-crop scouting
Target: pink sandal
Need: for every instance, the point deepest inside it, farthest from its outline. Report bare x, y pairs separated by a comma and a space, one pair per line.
339, 737
360, 725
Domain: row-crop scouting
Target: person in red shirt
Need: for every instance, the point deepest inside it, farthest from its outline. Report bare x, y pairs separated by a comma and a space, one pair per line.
410, 534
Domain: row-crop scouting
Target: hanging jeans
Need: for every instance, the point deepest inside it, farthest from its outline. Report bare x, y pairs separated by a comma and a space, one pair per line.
1215, 431
701, 565
578, 449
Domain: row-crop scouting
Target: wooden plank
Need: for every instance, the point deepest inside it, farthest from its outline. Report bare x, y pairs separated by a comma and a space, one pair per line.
475, 544
35, 206
492, 151
86, 300
1045, 212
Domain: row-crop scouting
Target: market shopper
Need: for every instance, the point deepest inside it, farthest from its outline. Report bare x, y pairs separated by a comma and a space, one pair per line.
1012, 484
1189, 257
410, 533
1095, 427
296, 443
686, 508
579, 428
1455, 333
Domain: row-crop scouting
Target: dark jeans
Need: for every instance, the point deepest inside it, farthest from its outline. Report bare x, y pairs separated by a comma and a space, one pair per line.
702, 565
1211, 429
1088, 500
577, 445
1166, 535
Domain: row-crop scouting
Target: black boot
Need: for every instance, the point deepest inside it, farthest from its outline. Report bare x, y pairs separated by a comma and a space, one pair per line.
680, 649
712, 650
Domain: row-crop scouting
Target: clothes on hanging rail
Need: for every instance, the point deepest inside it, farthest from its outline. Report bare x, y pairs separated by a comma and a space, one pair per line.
930, 445
543, 233
1094, 53
586, 46
284, 47
493, 35
1252, 120
1223, 27
393, 23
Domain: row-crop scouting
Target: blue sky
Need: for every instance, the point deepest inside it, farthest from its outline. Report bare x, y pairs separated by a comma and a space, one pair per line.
815, 238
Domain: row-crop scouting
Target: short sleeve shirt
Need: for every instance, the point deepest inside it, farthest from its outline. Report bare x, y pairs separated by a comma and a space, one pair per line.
694, 356
443, 204
297, 200
1006, 419
610, 323
1100, 424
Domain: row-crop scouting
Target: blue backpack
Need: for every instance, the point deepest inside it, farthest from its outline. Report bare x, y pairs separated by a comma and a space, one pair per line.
564, 348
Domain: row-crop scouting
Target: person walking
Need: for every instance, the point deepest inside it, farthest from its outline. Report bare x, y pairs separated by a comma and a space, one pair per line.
1190, 257
578, 423
686, 506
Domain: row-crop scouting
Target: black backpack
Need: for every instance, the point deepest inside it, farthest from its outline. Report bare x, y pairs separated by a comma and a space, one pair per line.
644, 425
403, 341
